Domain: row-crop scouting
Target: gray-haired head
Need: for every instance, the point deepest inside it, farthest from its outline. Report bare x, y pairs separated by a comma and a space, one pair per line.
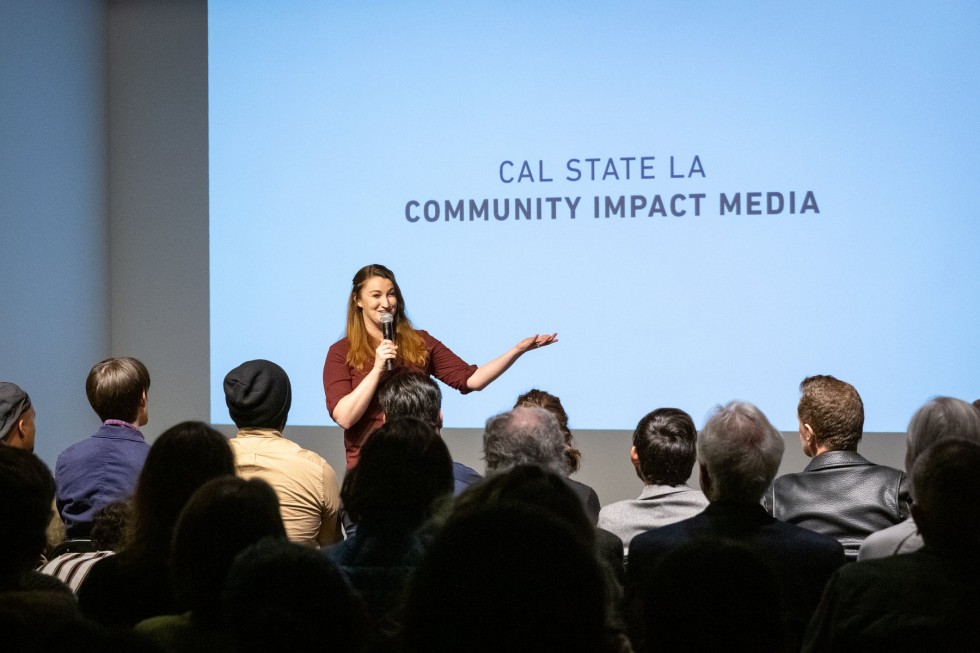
938, 419
741, 452
410, 394
524, 436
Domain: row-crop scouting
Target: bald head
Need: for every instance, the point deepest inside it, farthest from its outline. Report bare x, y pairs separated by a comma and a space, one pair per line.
524, 436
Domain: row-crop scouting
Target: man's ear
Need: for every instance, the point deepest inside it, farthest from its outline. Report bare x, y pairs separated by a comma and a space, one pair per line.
635, 459
808, 440
384, 418
440, 419
17, 432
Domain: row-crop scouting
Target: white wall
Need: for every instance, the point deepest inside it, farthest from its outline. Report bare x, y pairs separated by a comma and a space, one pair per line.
158, 212
54, 265
103, 204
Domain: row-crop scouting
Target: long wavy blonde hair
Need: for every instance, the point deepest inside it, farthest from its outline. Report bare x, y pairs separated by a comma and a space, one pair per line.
411, 345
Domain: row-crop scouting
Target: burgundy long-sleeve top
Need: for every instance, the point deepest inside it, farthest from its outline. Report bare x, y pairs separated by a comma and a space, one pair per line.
340, 379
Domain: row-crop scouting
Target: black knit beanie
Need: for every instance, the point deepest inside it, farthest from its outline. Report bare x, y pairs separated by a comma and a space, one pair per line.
258, 395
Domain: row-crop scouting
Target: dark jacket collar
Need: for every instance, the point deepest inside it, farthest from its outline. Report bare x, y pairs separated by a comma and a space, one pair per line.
737, 516
835, 459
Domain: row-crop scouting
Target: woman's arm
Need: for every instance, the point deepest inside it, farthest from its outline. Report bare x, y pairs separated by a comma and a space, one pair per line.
488, 372
352, 406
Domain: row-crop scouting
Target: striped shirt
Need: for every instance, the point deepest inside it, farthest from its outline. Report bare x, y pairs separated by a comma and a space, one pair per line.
71, 568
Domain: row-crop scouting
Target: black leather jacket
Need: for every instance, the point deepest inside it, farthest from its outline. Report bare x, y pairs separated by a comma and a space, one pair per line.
842, 495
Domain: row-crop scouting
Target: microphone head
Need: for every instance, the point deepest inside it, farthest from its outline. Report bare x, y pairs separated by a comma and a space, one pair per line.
388, 326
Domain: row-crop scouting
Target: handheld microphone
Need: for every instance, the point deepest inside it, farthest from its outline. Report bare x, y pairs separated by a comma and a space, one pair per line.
388, 331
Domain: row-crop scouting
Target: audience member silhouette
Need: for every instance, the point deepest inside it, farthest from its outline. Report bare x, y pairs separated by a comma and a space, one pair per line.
927, 600
531, 485
222, 518
712, 595
29, 601
938, 419
288, 598
663, 456
404, 470
534, 486
839, 493
28, 490
506, 578
134, 584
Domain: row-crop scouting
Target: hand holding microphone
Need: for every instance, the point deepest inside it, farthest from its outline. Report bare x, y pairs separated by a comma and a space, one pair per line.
388, 332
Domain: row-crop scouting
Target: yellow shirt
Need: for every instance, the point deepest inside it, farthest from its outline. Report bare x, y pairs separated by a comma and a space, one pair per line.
309, 496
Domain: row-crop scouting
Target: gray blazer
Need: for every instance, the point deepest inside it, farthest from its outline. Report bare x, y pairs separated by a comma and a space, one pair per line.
658, 505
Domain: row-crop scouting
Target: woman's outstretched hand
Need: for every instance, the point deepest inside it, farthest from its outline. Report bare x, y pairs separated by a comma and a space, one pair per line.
536, 342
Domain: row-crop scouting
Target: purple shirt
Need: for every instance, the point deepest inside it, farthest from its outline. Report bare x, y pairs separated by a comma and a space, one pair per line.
97, 471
